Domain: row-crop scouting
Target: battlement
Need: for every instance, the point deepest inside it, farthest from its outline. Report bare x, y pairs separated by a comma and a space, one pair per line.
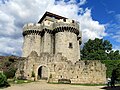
32, 26
58, 25
67, 23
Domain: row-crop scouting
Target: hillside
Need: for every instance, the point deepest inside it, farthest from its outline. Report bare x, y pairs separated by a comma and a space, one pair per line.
8, 64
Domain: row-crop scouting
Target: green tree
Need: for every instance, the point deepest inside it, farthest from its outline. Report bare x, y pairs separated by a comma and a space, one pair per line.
111, 65
114, 55
96, 49
117, 72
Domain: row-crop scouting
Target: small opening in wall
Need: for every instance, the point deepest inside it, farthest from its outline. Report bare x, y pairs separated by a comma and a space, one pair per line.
61, 76
86, 63
53, 17
70, 45
64, 20
72, 21
77, 76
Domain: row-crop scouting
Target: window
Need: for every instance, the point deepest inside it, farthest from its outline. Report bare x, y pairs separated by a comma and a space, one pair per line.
70, 45
64, 20
72, 21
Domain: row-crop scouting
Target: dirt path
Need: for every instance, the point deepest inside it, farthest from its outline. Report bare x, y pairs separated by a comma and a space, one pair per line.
42, 85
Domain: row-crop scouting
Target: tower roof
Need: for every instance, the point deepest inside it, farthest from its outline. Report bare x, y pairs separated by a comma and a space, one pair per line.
51, 15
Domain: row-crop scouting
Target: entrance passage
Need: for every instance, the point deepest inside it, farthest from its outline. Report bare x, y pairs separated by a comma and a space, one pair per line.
43, 72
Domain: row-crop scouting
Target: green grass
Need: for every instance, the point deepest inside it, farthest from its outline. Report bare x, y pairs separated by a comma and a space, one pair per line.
19, 81
79, 84
89, 84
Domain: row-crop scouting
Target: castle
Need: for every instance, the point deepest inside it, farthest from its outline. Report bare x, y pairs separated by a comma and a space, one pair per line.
52, 51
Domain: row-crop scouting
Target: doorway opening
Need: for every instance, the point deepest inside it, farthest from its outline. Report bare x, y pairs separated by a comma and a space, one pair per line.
43, 72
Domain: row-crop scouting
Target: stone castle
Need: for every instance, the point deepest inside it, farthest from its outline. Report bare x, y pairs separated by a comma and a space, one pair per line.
52, 51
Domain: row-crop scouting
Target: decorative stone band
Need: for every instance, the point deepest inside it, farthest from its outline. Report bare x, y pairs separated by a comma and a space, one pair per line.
56, 30
69, 29
48, 30
36, 32
31, 32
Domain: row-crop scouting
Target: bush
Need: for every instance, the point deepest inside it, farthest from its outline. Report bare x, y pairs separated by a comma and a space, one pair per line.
10, 72
3, 81
64, 81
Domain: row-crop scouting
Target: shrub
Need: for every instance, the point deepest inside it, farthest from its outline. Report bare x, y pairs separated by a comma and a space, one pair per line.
33, 74
10, 72
3, 81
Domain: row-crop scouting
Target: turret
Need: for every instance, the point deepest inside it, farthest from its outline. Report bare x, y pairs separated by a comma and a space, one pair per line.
67, 38
32, 36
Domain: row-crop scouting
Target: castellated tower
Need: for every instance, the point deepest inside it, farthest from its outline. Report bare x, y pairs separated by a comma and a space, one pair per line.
51, 51
53, 34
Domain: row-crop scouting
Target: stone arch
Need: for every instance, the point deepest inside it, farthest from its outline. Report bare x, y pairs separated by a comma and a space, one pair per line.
43, 72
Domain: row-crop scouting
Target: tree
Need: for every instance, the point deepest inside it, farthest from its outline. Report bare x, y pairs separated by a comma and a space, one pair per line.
96, 49
114, 55
117, 72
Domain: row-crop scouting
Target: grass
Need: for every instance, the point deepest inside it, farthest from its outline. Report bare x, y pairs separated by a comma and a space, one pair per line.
19, 81
89, 84
79, 84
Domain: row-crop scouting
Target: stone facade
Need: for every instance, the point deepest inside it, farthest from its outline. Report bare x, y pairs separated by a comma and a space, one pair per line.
52, 51
53, 36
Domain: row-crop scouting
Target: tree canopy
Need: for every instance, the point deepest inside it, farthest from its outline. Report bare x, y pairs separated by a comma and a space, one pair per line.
99, 49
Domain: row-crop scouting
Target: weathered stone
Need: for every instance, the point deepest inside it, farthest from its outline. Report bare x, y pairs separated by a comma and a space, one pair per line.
52, 52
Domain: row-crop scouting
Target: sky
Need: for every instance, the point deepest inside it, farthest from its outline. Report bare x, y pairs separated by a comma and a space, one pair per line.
97, 19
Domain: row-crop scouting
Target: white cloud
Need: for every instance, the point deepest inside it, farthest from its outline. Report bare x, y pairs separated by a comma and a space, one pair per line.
16, 13
13, 15
115, 47
116, 36
82, 2
10, 46
91, 29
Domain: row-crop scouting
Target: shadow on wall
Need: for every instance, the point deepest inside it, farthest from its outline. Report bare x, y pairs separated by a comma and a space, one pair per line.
109, 88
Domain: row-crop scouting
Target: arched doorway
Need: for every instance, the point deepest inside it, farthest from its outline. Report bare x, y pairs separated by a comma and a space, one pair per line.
43, 72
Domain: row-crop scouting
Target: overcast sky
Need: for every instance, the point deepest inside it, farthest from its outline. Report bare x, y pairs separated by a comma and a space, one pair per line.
94, 19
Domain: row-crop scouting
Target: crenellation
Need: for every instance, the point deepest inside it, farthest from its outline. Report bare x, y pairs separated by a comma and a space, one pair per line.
32, 26
52, 51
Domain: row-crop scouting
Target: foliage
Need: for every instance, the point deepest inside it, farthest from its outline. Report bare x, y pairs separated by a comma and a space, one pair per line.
9, 66
33, 74
111, 65
116, 72
10, 72
114, 55
99, 49
3, 81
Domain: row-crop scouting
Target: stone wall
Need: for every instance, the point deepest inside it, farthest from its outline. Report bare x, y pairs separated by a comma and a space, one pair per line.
52, 51
31, 43
59, 67
62, 45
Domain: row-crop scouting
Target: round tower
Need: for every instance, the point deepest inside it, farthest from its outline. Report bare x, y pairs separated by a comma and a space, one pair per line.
32, 37
67, 39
